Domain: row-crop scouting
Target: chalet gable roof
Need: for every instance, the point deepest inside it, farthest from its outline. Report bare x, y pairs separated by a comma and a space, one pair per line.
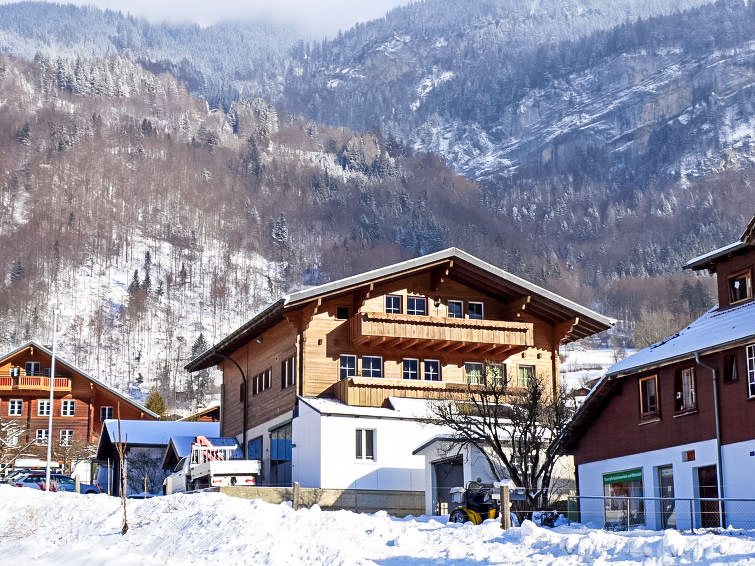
78, 371
710, 259
461, 266
714, 331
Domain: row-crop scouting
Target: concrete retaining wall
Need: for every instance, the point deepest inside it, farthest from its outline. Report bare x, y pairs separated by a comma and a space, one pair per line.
399, 503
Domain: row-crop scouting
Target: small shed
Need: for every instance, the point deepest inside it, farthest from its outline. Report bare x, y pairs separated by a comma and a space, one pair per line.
144, 445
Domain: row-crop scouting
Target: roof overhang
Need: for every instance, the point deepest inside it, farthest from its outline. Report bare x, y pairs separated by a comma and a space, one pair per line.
711, 259
73, 368
451, 262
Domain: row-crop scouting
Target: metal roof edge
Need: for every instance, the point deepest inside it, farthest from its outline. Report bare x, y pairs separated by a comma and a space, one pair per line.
83, 374
702, 260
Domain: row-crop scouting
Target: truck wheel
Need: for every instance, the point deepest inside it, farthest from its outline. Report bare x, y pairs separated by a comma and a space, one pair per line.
458, 516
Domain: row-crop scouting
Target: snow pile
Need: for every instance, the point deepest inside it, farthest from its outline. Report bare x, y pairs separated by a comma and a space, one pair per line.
62, 528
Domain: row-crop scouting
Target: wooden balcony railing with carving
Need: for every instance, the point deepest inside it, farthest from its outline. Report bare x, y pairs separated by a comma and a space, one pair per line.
440, 334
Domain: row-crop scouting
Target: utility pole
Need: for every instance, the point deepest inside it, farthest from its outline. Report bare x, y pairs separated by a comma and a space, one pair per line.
52, 391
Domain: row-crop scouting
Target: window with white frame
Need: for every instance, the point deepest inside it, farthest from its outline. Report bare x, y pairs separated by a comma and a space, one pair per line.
66, 437
740, 286
526, 375
475, 310
365, 444
751, 370
15, 408
347, 366
410, 368
416, 305
372, 366
287, 373
684, 391
432, 370
393, 304
41, 436
455, 309
106, 413
43, 407
68, 408
473, 373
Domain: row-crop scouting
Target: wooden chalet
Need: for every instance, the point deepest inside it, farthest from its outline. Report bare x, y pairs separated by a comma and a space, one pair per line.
80, 405
327, 374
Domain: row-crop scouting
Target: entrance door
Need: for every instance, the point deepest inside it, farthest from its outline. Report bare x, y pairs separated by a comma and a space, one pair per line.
446, 474
708, 488
666, 492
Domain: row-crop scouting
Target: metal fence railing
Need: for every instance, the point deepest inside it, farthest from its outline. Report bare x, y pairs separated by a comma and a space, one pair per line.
625, 513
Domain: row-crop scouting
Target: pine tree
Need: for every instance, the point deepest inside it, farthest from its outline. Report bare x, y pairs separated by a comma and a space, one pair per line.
156, 403
134, 286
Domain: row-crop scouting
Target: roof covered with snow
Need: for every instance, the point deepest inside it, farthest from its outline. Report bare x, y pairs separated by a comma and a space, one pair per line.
400, 408
716, 330
150, 433
470, 269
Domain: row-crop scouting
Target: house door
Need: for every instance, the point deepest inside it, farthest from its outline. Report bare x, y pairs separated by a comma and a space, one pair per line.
446, 474
666, 492
708, 488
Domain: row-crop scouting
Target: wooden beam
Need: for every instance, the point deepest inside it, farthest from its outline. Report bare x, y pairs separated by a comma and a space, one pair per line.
439, 275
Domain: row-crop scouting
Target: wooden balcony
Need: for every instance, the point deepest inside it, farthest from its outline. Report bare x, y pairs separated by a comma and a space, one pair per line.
32, 383
432, 334
372, 392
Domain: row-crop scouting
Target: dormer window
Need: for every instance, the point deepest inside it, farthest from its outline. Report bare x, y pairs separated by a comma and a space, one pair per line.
740, 287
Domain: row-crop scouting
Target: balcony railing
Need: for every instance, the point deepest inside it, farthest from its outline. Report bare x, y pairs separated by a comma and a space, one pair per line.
31, 382
440, 334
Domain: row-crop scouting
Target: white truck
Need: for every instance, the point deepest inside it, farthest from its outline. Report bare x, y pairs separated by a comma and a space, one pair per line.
210, 466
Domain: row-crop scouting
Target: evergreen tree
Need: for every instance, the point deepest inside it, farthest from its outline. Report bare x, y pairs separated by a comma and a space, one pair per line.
134, 286
156, 403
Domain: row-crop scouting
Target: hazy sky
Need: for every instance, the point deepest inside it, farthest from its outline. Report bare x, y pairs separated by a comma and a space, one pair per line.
318, 16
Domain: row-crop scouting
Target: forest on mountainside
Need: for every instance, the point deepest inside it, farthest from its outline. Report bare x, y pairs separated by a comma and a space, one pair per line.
158, 221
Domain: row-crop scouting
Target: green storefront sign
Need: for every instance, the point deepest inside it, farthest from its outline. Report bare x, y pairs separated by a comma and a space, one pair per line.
626, 475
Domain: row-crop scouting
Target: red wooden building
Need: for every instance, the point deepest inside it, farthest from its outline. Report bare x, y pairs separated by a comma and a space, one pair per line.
676, 421
80, 405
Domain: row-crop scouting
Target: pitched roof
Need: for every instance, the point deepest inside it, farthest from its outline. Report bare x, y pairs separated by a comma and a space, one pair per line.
718, 329
477, 272
82, 373
156, 433
709, 260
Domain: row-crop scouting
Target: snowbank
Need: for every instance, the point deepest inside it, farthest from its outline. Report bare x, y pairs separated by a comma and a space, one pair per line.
208, 528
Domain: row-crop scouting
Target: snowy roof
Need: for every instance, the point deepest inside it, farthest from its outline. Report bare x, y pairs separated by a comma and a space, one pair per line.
73, 368
155, 432
706, 259
401, 408
716, 329
478, 272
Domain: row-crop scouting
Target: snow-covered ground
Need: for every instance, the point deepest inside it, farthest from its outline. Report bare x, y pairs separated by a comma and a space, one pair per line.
208, 528
581, 365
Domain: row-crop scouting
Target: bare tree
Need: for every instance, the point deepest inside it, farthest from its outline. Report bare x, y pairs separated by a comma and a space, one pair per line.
514, 428
121, 448
12, 442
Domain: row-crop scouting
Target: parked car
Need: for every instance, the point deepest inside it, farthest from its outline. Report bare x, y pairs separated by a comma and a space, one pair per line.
59, 482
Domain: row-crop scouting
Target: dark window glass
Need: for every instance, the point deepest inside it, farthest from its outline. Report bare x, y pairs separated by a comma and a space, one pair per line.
348, 366
648, 396
416, 306
432, 370
372, 366
475, 310
342, 313
393, 304
411, 369
455, 309
739, 287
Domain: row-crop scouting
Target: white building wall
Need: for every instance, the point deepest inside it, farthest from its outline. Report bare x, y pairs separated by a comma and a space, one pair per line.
306, 445
394, 466
685, 480
739, 469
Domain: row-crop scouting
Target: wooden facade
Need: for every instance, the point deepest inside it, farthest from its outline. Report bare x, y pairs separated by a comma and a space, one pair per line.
79, 404
438, 318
